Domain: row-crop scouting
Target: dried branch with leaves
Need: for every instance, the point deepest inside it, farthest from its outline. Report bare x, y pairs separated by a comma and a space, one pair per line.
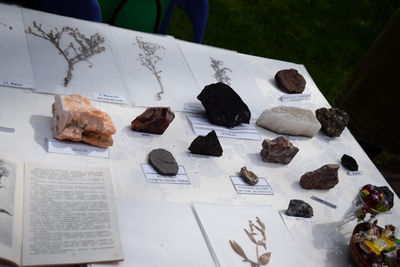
81, 48
254, 232
220, 73
5, 25
3, 172
149, 59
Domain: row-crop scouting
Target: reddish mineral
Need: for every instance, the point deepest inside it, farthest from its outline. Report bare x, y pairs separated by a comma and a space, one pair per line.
75, 119
290, 81
153, 120
325, 177
279, 150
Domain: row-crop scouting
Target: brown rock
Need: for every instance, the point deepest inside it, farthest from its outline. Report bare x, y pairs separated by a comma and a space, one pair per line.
75, 119
153, 120
333, 120
248, 176
325, 177
290, 81
279, 150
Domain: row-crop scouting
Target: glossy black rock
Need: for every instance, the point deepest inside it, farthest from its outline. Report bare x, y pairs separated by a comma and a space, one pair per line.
223, 105
349, 163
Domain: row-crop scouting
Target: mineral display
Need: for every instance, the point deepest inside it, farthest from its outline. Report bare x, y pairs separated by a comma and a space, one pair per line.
279, 150
349, 162
223, 105
248, 176
75, 119
290, 120
325, 177
163, 162
299, 208
153, 120
290, 81
333, 120
206, 145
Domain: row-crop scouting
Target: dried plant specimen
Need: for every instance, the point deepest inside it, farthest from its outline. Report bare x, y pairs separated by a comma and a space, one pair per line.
5, 25
149, 58
3, 172
255, 231
81, 48
220, 72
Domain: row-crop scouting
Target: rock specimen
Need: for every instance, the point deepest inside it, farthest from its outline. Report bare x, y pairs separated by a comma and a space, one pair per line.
325, 177
75, 119
333, 120
299, 208
290, 120
248, 176
279, 150
290, 81
349, 162
206, 145
223, 105
163, 162
153, 120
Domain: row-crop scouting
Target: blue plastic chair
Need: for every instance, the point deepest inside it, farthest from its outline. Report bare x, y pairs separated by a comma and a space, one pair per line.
197, 11
80, 9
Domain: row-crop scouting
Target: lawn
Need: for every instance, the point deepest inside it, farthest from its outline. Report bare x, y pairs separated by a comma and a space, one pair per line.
328, 37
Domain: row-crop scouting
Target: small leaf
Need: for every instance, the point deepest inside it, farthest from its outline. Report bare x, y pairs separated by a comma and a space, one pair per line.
261, 243
264, 258
238, 249
250, 235
260, 223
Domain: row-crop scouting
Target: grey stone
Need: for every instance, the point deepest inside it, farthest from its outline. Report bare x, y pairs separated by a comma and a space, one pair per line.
163, 162
299, 208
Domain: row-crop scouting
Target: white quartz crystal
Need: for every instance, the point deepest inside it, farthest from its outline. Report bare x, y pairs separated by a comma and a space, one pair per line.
290, 120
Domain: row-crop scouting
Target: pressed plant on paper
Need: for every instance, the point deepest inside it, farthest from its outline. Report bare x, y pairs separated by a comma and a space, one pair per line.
256, 234
220, 72
80, 48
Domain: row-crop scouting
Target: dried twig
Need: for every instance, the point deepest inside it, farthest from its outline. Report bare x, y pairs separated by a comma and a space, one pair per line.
79, 49
220, 74
253, 232
149, 59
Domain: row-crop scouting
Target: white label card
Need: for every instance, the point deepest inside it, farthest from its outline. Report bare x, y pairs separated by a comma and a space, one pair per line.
326, 203
7, 129
193, 108
71, 148
294, 218
295, 97
260, 188
15, 84
201, 126
144, 134
352, 173
153, 177
110, 98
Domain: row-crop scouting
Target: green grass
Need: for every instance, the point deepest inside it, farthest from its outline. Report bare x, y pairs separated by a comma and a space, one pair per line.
328, 37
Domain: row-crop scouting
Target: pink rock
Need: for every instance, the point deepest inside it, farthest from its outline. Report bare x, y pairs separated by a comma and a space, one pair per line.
153, 120
75, 119
279, 150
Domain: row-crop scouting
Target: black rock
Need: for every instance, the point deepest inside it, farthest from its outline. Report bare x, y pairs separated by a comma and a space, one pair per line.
299, 208
206, 145
163, 162
349, 162
223, 105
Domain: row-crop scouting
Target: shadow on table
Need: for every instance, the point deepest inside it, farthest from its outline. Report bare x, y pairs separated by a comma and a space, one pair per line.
42, 126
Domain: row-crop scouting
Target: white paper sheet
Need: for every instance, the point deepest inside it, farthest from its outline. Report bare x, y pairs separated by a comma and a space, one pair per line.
222, 223
160, 234
97, 74
15, 64
154, 69
211, 64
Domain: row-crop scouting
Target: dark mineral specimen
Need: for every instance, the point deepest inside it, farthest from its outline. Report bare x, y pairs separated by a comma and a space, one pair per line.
163, 162
223, 105
333, 120
248, 176
206, 145
290, 81
153, 120
325, 177
349, 162
299, 208
279, 150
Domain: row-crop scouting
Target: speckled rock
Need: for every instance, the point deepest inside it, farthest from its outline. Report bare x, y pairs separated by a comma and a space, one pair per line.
279, 150
75, 119
223, 105
290, 81
333, 120
299, 208
248, 176
325, 177
206, 145
153, 120
163, 162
